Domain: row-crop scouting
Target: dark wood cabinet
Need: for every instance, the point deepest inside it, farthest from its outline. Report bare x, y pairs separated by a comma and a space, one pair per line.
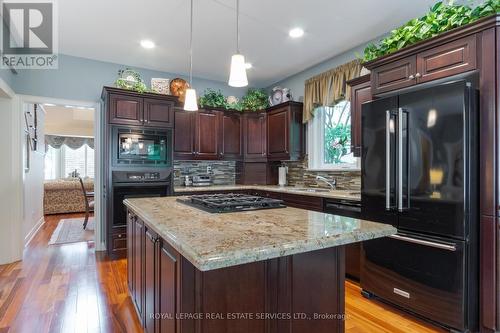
158, 113
231, 132
207, 135
130, 251
455, 57
137, 260
446, 60
184, 135
303, 201
361, 92
150, 278
395, 75
255, 136
197, 135
168, 283
134, 109
285, 132
125, 110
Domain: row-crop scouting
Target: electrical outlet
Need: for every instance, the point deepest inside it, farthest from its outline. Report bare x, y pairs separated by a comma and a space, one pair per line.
209, 169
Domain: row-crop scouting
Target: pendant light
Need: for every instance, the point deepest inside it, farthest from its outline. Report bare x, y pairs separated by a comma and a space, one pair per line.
238, 73
190, 101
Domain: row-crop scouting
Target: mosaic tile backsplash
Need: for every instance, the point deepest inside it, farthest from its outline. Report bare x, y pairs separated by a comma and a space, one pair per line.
223, 172
298, 175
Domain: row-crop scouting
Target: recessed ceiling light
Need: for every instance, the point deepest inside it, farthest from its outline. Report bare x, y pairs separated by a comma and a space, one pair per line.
248, 65
48, 104
147, 44
296, 33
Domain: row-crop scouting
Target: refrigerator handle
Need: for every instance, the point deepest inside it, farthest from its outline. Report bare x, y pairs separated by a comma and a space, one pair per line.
400, 159
387, 160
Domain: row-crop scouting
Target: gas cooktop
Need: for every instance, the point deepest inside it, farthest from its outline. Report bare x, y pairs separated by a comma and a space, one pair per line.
230, 202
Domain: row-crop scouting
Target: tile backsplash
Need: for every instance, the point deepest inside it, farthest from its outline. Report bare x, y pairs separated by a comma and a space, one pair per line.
298, 175
223, 172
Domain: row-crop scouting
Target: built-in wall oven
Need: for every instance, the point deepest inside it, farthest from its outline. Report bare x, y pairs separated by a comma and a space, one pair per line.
141, 147
137, 184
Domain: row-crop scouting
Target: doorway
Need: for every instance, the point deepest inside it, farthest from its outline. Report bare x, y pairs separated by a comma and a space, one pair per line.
64, 170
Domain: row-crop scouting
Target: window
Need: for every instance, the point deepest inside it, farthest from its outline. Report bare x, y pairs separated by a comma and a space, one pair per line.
51, 163
329, 138
59, 163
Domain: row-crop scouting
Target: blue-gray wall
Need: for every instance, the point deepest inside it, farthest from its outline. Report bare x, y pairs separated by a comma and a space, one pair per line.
7, 76
296, 81
83, 79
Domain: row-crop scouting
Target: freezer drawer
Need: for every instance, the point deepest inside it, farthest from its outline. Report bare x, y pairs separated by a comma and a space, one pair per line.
422, 275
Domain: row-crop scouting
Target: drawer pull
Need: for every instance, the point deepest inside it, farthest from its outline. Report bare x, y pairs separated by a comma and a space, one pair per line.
447, 247
401, 293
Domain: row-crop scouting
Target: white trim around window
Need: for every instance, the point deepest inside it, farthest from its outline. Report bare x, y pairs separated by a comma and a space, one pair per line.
316, 146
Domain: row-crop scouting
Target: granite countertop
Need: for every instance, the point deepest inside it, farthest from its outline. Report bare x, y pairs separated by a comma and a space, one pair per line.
333, 194
211, 241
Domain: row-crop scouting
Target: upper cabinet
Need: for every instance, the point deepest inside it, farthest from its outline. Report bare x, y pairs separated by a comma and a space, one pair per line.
231, 132
285, 132
184, 123
449, 59
275, 134
255, 134
158, 113
195, 135
125, 107
361, 92
395, 75
125, 110
206, 133
454, 57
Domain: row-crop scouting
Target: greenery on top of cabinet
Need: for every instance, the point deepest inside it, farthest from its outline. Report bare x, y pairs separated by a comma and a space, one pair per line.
442, 17
255, 99
213, 98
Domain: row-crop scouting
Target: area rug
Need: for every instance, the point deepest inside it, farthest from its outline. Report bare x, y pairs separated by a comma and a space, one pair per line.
71, 231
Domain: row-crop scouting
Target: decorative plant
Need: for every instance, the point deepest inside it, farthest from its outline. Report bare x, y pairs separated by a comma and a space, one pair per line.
130, 79
213, 98
255, 99
442, 17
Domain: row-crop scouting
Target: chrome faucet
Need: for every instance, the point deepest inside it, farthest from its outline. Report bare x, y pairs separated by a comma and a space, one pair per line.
332, 184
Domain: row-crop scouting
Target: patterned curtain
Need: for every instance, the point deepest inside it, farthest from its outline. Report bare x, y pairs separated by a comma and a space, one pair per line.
328, 88
56, 141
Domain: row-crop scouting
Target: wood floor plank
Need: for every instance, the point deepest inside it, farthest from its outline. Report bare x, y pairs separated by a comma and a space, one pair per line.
70, 288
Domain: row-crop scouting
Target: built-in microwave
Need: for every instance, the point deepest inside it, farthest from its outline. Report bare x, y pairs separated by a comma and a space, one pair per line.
136, 147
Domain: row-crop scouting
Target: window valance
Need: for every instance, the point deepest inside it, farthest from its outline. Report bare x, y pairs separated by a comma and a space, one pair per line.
329, 87
56, 141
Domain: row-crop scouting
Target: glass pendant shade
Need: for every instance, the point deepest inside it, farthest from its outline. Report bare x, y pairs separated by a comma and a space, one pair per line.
190, 102
238, 73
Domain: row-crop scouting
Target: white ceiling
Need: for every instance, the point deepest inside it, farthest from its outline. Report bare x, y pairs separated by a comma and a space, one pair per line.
70, 121
111, 30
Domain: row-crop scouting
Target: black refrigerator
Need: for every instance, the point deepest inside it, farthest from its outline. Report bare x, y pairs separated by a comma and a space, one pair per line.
419, 173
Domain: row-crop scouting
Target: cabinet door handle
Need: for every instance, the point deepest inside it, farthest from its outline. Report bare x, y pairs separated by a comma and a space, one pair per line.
411, 77
418, 75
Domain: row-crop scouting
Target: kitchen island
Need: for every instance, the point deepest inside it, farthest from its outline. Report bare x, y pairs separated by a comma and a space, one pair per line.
274, 270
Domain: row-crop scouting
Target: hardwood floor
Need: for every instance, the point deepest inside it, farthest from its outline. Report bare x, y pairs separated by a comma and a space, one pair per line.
69, 288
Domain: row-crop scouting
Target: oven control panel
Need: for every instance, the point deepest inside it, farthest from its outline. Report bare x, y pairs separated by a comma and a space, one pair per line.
143, 176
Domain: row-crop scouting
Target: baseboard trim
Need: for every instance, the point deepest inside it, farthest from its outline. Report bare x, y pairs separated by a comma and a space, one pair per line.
34, 231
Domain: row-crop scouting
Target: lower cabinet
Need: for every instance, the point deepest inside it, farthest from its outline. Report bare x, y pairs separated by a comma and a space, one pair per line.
150, 278
137, 260
153, 278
